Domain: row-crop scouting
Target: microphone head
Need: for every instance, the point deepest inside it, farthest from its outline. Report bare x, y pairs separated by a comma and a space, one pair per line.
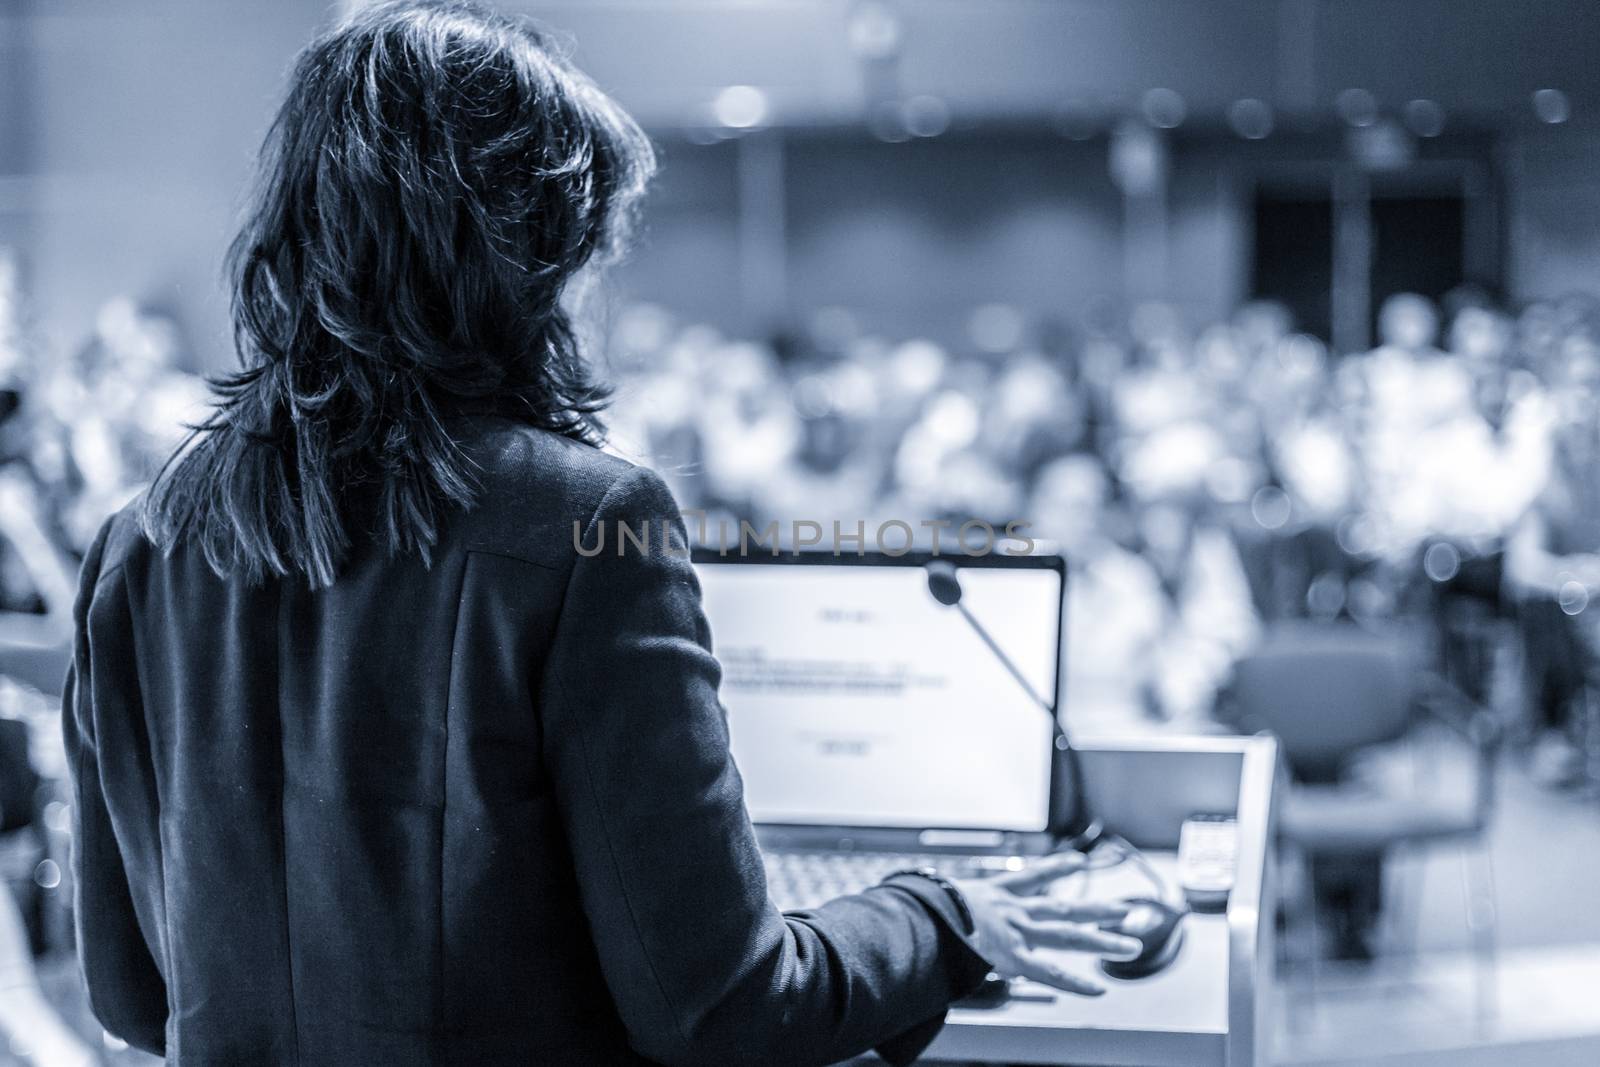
943, 583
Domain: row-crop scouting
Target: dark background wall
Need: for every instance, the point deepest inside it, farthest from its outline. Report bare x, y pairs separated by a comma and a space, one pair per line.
141, 121
1554, 213
126, 133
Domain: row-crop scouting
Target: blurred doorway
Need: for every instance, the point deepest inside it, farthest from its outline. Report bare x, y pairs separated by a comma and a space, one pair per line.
1293, 255
1334, 239
1418, 246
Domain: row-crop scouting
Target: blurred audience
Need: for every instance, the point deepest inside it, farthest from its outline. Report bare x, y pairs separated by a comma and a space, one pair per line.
1553, 552
79, 437
1203, 485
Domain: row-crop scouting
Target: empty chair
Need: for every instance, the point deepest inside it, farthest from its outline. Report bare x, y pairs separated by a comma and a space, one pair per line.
1333, 692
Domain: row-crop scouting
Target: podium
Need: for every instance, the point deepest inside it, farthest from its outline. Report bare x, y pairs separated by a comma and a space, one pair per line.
1209, 1008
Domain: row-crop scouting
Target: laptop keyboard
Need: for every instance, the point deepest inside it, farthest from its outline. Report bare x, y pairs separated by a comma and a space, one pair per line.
805, 879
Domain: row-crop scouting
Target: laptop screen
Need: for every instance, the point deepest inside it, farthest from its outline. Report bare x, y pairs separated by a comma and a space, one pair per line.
855, 698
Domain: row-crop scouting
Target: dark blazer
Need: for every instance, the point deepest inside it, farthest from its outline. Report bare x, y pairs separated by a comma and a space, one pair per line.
477, 811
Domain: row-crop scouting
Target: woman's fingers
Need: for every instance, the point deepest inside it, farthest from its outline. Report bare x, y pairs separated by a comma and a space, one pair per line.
1076, 911
1041, 968
1079, 938
1037, 877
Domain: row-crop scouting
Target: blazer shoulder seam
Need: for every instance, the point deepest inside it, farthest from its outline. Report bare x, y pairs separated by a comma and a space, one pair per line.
480, 550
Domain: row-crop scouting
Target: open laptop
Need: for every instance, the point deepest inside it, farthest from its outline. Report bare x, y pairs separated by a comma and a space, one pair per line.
872, 727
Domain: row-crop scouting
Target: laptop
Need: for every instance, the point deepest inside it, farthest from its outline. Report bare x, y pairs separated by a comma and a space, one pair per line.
872, 727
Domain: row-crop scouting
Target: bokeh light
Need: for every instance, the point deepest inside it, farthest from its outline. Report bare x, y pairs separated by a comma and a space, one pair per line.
740, 107
1358, 107
1250, 118
1552, 106
1164, 108
1425, 118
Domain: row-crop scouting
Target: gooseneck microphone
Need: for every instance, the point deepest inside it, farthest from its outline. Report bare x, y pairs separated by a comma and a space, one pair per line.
1082, 829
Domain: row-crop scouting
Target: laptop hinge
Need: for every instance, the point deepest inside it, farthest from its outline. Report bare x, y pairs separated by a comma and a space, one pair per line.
961, 838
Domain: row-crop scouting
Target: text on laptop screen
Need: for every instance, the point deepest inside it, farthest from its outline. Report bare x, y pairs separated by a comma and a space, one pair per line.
856, 699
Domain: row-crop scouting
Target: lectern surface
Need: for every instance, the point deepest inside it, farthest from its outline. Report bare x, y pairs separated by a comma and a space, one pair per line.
1209, 1007
1177, 1017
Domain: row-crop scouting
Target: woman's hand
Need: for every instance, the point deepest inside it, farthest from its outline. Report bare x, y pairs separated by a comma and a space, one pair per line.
1016, 923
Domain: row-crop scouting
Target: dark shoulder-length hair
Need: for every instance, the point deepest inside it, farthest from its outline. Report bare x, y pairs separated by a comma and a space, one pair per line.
434, 179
